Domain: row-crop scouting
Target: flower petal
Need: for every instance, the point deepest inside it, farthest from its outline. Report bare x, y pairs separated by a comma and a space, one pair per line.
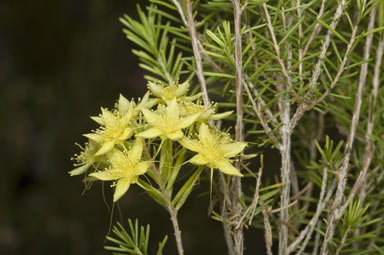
199, 160
106, 147
142, 167
121, 188
226, 167
137, 150
175, 135
204, 132
187, 121
93, 136
79, 170
127, 133
124, 104
98, 120
181, 89
232, 149
150, 133
220, 116
105, 175
108, 117
192, 98
172, 110
117, 159
190, 144
150, 116
157, 90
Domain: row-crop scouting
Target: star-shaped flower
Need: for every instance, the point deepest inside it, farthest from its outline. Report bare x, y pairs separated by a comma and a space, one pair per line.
172, 91
167, 123
85, 159
114, 126
214, 150
206, 113
125, 168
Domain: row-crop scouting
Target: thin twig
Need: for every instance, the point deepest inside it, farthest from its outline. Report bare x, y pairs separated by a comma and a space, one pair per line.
277, 51
307, 105
261, 104
263, 121
316, 29
238, 234
171, 209
267, 228
196, 52
336, 211
342, 243
181, 12
252, 207
309, 228
300, 39
327, 41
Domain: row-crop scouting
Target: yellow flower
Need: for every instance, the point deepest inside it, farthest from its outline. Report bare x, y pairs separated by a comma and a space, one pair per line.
206, 113
85, 159
214, 150
115, 126
172, 91
125, 168
167, 123
145, 103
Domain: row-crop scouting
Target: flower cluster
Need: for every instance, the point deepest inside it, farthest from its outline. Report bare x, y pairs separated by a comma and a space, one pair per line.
115, 150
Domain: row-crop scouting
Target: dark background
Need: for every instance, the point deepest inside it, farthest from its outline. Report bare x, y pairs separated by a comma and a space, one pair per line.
60, 61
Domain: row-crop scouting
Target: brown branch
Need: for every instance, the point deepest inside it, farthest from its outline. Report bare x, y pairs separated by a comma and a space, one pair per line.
238, 234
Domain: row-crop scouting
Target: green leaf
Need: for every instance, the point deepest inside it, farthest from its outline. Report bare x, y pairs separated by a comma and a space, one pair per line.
154, 193
332, 30
184, 192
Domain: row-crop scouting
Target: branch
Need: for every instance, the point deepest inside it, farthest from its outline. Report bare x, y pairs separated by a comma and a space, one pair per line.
263, 122
267, 228
336, 211
238, 234
298, 5
196, 52
316, 29
327, 40
171, 209
307, 105
277, 50
307, 231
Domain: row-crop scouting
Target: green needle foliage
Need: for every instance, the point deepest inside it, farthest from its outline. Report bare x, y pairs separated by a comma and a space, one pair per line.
300, 78
134, 242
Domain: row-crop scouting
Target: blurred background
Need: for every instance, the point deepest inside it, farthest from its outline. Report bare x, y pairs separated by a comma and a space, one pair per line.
59, 62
